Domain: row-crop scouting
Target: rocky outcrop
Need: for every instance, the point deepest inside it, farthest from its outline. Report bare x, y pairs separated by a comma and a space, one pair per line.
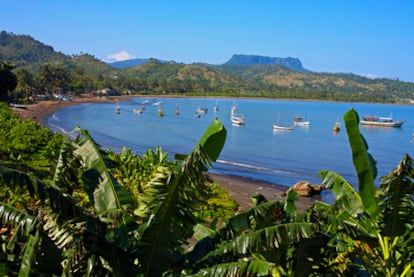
304, 188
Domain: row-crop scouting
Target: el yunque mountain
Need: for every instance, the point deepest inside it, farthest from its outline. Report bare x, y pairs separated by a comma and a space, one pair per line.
242, 75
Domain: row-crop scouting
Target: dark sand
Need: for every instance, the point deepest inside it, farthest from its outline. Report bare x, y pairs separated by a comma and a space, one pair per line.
239, 188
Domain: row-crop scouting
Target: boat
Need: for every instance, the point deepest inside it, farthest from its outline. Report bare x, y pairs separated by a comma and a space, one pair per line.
216, 107
202, 110
276, 126
137, 111
337, 126
377, 121
118, 109
238, 120
233, 109
177, 111
160, 111
197, 115
300, 122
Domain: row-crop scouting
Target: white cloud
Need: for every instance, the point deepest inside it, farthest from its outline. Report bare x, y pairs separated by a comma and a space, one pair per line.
120, 56
371, 76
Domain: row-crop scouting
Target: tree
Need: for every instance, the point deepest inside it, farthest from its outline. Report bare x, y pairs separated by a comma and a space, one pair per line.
25, 82
8, 80
54, 78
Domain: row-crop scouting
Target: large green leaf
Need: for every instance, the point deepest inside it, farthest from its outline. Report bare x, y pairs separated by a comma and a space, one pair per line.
363, 163
213, 139
397, 192
172, 224
107, 195
29, 255
346, 196
240, 268
275, 238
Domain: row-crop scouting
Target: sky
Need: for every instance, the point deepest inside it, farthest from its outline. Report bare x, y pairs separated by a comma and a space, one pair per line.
364, 37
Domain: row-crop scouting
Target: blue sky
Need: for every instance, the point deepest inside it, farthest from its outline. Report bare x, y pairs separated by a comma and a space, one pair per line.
365, 37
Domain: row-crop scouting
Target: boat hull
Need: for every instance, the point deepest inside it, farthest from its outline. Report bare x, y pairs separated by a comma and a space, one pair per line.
397, 124
277, 127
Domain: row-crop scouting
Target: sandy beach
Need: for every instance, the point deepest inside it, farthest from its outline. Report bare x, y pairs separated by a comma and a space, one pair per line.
239, 188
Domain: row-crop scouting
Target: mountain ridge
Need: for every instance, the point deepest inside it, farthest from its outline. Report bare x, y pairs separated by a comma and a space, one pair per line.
241, 75
237, 59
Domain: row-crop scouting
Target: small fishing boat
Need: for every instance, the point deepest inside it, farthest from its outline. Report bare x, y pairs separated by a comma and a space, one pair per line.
118, 108
202, 110
160, 111
298, 121
177, 111
216, 107
238, 120
137, 111
233, 109
197, 115
377, 121
276, 126
337, 126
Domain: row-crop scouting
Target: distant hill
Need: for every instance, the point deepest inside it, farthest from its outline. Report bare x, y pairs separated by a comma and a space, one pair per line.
242, 75
236, 60
25, 51
291, 63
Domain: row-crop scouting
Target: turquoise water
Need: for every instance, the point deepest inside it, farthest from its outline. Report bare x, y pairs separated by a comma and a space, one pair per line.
254, 150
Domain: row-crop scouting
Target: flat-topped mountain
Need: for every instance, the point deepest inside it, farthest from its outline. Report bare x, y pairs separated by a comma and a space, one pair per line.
291, 63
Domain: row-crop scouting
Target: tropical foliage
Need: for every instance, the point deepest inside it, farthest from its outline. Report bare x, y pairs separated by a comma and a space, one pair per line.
107, 214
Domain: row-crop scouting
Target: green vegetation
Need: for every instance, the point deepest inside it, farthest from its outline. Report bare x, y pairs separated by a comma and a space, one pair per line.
92, 212
41, 70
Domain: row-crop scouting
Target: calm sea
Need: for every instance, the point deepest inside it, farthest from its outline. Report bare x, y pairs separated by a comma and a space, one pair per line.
254, 150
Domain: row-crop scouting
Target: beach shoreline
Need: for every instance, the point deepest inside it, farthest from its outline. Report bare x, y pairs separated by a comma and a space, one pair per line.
239, 188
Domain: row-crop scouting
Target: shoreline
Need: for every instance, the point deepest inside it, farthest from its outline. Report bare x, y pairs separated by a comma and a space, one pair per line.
239, 188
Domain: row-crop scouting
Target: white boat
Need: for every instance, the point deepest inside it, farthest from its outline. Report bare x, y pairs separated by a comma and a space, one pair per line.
300, 122
201, 110
216, 107
233, 109
276, 126
118, 109
238, 120
137, 111
377, 121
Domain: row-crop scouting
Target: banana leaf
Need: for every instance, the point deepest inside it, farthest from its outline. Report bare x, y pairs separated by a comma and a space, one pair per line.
171, 224
363, 162
105, 193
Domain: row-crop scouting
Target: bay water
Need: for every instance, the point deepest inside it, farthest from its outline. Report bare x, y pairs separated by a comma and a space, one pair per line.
253, 150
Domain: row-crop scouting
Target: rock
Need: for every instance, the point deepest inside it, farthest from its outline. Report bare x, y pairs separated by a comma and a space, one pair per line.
304, 188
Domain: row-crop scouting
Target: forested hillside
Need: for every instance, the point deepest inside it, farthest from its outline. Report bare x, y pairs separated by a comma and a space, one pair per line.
242, 75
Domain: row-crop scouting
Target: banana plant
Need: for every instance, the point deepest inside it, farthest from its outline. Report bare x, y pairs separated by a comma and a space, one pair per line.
369, 226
